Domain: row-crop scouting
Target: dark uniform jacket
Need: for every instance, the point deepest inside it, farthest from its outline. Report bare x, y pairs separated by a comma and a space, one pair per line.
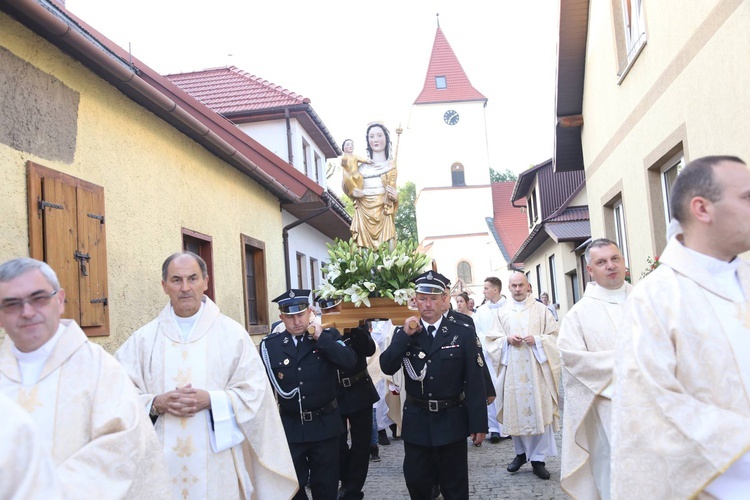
458, 317
454, 366
355, 396
312, 369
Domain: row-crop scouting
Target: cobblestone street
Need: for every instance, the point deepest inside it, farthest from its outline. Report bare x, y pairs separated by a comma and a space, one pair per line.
488, 478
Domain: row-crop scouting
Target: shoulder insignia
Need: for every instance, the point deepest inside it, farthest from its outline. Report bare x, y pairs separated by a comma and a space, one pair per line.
271, 335
341, 342
480, 361
444, 329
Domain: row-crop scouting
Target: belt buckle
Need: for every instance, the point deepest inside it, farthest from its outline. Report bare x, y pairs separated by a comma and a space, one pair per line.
432, 405
346, 382
307, 416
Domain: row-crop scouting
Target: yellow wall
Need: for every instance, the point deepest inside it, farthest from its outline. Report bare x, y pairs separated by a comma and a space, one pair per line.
688, 85
156, 181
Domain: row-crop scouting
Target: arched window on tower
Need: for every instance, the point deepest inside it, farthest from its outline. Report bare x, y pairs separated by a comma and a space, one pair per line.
463, 271
457, 175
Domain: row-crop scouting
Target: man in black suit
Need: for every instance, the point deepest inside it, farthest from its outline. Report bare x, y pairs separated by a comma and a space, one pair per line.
302, 368
356, 395
446, 399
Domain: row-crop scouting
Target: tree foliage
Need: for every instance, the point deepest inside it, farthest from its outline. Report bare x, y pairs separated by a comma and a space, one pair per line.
406, 217
507, 176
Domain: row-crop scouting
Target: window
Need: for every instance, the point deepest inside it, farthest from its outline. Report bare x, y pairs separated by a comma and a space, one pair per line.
305, 161
457, 175
441, 82
539, 282
533, 214
584, 271
620, 233
631, 35
300, 270
668, 176
574, 286
552, 280
67, 230
201, 244
313, 273
254, 285
463, 271
317, 168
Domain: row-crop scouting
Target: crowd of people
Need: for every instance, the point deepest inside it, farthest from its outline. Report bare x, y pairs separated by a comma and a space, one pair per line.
655, 380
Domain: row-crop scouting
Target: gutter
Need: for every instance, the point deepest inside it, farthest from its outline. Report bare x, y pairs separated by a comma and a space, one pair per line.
57, 24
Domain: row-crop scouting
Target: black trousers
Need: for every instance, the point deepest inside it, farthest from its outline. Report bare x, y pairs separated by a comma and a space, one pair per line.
446, 465
319, 460
355, 459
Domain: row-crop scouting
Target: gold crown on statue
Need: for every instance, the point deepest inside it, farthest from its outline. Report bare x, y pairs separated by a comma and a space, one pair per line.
379, 123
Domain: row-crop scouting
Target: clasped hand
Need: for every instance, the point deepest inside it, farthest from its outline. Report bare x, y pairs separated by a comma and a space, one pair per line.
182, 401
517, 340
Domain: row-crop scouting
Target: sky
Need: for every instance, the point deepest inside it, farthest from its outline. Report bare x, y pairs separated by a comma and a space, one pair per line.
360, 61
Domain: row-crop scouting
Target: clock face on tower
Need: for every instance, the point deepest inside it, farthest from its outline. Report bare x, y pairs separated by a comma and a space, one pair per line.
451, 117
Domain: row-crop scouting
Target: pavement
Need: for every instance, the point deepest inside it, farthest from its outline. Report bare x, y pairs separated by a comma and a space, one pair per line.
488, 478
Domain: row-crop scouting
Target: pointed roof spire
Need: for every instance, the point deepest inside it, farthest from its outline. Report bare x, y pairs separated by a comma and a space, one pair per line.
446, 80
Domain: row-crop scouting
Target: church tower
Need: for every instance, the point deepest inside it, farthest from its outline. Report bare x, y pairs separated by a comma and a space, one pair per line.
445, 153
445, 141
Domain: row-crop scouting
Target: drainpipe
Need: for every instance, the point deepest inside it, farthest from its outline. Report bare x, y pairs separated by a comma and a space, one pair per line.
289, 136
285, 238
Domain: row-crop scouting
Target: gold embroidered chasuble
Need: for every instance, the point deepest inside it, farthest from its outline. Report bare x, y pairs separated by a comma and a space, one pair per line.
680, 409
26, 470
88, 415
587, 337
526, 388
218, 356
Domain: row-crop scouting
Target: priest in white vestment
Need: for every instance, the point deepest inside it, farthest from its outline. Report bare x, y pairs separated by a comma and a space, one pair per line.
484, 317
26, 469
84, 407
681, 403
201, 379
523, 348
587, 337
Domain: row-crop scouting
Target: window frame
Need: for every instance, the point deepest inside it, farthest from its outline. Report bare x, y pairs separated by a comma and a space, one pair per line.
262, 325
438, 82
620, 228
205, 243
552, 278
458, 271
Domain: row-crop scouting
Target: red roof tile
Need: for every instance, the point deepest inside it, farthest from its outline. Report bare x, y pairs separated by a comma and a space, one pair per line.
510, 223
230, 90
443, 62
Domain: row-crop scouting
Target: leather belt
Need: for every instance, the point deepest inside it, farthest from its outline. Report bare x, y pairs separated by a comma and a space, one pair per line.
436, 405
308, 416
350, 381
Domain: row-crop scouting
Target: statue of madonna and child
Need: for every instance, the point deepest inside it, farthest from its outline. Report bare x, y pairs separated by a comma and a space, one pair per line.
371, 184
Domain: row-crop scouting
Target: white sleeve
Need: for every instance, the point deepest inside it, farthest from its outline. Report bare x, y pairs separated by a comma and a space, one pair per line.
538, 350
225, 432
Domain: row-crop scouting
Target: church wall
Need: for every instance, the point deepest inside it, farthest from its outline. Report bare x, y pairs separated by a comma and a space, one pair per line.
681, 96
156, 181
453, 211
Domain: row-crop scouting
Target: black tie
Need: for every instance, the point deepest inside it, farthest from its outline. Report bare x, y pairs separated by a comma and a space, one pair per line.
430, 336
299, 340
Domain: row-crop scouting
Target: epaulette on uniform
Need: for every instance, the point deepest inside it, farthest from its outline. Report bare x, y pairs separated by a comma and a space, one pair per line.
270, 335
453, 320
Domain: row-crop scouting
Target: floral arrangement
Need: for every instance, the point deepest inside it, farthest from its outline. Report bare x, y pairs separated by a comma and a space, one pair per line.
652, 264
355, 274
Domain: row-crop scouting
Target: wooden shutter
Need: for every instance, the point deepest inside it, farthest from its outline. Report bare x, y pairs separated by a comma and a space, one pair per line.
61, 239
91, 242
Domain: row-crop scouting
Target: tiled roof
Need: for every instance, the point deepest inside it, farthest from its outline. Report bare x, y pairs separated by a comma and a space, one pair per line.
510, 224
577, 230
230, 90
443, 62
572, 214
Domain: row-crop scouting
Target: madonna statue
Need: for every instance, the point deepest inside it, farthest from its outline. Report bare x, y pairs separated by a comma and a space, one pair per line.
376, 202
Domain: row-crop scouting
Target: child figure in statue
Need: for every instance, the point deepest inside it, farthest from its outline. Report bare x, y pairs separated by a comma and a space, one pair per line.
350, 162
376, 202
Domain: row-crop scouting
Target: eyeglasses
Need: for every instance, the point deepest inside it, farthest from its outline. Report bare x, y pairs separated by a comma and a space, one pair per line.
37, 301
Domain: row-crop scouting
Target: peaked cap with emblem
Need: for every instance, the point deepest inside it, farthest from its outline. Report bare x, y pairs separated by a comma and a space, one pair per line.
432, 283
293, 302
327, 303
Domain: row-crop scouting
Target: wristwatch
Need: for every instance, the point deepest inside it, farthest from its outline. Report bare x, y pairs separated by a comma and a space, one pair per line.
153, 412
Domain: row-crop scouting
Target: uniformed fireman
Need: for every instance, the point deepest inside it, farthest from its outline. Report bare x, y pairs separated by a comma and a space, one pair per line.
302, 368
446, 399
356, 395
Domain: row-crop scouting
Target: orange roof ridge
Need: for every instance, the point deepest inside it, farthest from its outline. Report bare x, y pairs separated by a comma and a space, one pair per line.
444, 63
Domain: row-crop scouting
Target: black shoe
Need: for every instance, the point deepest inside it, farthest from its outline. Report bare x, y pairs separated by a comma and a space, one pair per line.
394, 430
518, 462
494, 437
540, 470
435, 492
383, 438
374, 454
